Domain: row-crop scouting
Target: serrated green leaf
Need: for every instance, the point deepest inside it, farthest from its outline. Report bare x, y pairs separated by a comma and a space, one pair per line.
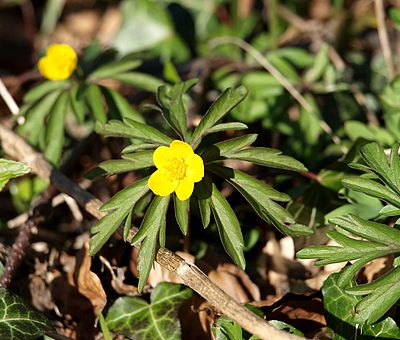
228, 227
146, 256
111, 69
36, 116
267, 157
369, 230
372, 188
136, 318
39, 91
153, 219
170, 99
139, 80
225, 102
261, 198
11, 169
18, 320
218, 150
119, 107
105, 227
371, 308
239, 178
341, 318
182, 213
55, 130
116, 166
94, 100
129, 195
132, 129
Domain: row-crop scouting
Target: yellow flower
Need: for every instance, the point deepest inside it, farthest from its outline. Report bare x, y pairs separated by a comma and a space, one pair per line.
178, 168
59, 62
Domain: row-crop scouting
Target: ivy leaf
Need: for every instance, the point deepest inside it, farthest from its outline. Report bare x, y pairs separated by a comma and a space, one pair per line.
228, 227
134, 317
340, 307
225, 102
11, 169
170, 99
18, 320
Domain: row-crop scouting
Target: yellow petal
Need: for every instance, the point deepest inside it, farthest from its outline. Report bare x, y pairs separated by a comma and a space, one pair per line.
61, 51
162, 185
181, 149
59, 63
184, 189
162, 157
195, 168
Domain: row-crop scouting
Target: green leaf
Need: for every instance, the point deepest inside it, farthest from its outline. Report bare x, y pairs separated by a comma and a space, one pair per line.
225, 102
120, 205
170, 98
111, 69
372, 188
119, 106
134, 317
182, 213
132, 129
203, 194
18, 320
77, 104
218, 150
104, 328
226, 329
55, 130
146, 256
261, 197
129, 195
228, 227
11, 169
341, 318
116, 166
319, 66
152, 220
39, 91
234, 126
36, 116
239, 178
369, 230
394, 14
389, 210
267, 157
285, 327
139, 80
145, 25
95, 102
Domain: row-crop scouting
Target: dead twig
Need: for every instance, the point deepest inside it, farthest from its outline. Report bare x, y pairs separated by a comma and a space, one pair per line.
383, 37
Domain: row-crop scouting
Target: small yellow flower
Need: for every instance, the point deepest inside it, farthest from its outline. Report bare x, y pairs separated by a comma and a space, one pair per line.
59, 62
178, 168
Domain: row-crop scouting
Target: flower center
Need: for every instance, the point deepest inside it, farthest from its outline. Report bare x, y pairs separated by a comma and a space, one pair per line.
176, 168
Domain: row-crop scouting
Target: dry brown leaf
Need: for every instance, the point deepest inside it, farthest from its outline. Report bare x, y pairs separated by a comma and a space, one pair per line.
87, 282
